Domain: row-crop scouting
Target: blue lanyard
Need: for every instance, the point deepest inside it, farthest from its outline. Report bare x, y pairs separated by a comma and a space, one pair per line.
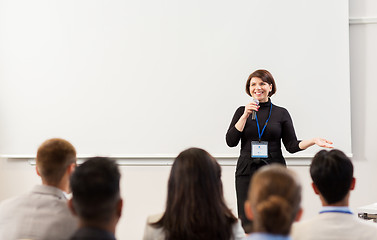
265, 125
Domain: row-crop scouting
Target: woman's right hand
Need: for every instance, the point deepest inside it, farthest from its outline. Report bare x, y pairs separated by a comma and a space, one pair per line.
249, 108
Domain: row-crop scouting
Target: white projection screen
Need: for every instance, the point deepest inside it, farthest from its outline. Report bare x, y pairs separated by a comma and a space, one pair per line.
149, 78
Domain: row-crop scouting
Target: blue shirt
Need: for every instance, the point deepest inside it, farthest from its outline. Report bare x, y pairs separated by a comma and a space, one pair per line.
266, 236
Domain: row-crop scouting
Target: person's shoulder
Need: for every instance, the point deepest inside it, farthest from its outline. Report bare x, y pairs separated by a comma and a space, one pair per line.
304, 229
304, 223
153, 232
154, 218
366, 224
238, 232
240, 109
279, 108
14, 201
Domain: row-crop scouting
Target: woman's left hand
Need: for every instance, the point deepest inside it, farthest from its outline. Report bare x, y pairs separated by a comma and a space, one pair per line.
323, 142
304, 144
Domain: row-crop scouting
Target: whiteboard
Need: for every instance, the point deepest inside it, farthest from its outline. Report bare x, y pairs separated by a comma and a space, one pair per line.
153, 77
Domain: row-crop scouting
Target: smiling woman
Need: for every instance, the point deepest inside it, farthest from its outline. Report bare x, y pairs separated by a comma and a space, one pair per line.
261, 137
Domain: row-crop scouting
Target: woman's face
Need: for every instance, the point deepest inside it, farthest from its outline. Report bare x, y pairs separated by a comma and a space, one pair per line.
259, 89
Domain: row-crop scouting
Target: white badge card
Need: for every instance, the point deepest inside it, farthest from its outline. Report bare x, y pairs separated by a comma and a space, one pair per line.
259, 149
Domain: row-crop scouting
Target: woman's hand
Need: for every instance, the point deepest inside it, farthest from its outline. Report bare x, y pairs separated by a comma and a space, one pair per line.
249, 108
321, 142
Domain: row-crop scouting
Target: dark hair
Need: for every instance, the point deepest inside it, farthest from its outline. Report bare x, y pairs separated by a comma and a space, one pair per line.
332, 173
95, 189
265, 76
195, 206
53, 158
275, 197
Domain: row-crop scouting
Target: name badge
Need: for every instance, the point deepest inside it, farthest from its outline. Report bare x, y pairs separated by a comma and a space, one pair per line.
259, 149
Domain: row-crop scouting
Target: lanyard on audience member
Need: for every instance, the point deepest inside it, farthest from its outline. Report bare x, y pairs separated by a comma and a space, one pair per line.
265, 125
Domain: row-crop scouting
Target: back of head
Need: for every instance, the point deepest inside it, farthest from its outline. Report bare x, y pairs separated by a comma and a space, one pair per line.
53, 157
194, 173
95, 190
332, 173
274, 197
195, 199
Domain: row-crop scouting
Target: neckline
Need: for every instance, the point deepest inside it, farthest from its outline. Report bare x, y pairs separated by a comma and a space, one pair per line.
265, 104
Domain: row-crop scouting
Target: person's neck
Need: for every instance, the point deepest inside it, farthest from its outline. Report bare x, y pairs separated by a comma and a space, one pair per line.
108, 226
264, 100
62, 185
342, 203
338, 204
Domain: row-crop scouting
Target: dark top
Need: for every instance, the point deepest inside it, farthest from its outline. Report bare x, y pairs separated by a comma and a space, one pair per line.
90, 233
279, 127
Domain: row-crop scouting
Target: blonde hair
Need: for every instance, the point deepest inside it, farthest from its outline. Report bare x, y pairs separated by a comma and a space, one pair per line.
274, 197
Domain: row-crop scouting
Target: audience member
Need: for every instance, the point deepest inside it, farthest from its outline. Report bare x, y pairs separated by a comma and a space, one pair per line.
332, 175
96, 199
195, 206
43, 213
273, 203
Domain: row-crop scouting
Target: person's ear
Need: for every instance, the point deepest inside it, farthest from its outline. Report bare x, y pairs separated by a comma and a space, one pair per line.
353, 183
299, 214
36, 169
71, 168
71, 207
248, 211
315, 189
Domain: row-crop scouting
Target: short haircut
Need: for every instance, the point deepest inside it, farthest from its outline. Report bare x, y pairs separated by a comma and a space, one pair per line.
332, 173
275, 198
95, 189
265, 76
53, 158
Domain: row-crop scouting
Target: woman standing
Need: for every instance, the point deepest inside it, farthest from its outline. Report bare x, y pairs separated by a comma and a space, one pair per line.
261, 136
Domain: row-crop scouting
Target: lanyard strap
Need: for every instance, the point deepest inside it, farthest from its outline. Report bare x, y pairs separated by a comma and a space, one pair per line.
265, 125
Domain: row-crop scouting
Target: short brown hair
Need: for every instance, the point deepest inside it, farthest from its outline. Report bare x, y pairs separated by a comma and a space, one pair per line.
275, 197
265, 76
53, 157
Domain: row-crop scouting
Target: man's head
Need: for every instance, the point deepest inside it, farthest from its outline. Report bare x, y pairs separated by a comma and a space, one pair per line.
54, 157
332, 175
95, 192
